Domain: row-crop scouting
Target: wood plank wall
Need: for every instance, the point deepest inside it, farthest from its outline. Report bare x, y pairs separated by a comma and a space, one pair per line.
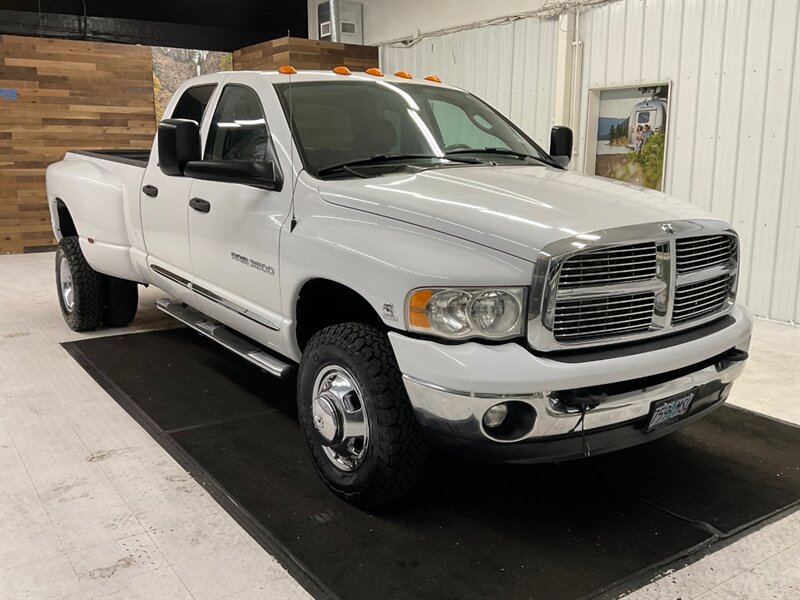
304, 54
66, 95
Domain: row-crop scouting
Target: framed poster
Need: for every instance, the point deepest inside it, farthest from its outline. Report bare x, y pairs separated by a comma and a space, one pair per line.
627, 133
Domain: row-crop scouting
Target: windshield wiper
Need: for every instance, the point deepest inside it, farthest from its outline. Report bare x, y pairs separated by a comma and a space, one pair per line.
380, 159
505, 152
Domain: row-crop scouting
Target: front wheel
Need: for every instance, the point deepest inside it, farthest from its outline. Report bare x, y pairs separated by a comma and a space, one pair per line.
80, 288
363, 436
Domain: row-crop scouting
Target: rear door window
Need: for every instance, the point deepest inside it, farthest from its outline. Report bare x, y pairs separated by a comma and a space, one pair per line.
193, 103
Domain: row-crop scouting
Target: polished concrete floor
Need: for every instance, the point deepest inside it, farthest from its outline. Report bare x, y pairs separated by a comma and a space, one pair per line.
92, 507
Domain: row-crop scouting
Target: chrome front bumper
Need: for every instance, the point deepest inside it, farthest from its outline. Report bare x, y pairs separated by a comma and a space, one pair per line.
452, 386
460, 414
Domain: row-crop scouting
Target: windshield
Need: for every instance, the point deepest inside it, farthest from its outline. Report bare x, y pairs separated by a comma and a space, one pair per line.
339, 122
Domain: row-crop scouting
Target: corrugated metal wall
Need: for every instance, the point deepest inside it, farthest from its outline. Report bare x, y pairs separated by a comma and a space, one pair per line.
734, 130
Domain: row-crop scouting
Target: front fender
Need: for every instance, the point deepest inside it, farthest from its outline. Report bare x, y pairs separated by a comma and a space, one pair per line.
383, 260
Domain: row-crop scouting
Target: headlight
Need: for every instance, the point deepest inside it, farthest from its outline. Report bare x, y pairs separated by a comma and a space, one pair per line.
495, 313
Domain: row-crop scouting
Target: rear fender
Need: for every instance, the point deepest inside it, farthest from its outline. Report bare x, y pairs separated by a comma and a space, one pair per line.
89, 200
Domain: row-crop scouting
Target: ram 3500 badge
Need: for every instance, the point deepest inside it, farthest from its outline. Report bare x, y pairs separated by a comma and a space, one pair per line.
437, 276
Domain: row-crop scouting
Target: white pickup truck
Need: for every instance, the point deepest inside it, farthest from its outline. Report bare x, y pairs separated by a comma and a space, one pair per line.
436, 274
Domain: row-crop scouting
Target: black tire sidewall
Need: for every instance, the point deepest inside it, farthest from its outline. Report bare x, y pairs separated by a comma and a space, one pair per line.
87, 285
317, 359
60, 257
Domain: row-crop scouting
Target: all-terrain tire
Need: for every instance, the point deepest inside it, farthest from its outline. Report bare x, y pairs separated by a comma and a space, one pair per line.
396, 454
122, 301
87, 304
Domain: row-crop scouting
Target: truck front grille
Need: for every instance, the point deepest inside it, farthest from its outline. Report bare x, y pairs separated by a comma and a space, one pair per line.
586, 319
622, 291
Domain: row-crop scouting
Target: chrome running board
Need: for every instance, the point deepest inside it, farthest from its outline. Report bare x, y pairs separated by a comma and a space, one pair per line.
206, 326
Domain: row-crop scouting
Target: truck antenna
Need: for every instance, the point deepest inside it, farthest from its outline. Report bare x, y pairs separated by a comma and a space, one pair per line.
293, 222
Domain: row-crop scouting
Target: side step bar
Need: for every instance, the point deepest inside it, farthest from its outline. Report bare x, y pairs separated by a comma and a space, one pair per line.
225, 337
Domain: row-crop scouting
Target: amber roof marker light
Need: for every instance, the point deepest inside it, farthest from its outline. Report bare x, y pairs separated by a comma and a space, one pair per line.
404, 75
433, 78
375, 72
341, 70
287, 70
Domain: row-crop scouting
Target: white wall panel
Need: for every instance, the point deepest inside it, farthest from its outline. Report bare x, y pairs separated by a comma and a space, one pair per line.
734, 130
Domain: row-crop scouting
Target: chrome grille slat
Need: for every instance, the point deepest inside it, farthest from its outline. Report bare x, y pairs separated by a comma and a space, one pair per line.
563, 323
699, 305
636, 262
697, 253
623, 300
682, 246
695, 300
592, 317
697, 288
638, 322
605, 332
600, 256
599, 319
687, 255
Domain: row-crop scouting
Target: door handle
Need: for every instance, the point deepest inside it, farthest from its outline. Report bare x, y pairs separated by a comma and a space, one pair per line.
200, 205
150, 190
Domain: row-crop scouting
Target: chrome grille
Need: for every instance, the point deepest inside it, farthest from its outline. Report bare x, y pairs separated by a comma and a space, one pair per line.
697, 253
600, 317
695, 300
631, 283
636, 262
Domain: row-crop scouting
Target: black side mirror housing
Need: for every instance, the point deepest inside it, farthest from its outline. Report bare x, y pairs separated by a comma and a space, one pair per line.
178, 144
265, 175
561, 144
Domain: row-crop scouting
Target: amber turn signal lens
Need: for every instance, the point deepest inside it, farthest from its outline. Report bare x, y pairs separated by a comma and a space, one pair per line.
433, 78
341, 70
374, 71
416, 308
403, 74
287, 70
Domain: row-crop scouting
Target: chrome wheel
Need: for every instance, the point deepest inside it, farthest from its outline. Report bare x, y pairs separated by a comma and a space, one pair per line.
67, 286
340, 417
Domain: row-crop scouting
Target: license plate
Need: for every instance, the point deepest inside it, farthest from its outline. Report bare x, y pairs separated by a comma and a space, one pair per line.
670, 410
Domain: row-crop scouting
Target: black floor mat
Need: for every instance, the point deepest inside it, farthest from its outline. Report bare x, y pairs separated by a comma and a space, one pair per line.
470, 531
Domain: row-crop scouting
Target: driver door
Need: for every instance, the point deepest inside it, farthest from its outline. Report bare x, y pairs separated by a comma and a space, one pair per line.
234, 229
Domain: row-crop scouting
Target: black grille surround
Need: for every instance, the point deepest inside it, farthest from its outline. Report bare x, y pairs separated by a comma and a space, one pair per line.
673, 277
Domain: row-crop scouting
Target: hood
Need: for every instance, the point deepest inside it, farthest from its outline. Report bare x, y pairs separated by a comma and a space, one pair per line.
514, 209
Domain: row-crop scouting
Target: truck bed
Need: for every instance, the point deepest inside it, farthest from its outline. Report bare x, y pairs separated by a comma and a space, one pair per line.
131, 156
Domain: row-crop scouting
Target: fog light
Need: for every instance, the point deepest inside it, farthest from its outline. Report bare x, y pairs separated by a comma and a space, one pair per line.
495, 416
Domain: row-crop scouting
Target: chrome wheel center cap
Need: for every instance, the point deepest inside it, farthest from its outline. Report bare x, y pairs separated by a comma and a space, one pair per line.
327, 420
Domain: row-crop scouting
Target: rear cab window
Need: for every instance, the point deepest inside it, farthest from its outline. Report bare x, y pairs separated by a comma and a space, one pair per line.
193, 102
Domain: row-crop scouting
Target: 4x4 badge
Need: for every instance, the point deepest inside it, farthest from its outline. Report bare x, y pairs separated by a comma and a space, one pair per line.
667, 227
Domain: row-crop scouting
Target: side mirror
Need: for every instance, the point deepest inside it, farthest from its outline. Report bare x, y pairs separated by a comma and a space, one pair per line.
260, 174
178, 144
561, 144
